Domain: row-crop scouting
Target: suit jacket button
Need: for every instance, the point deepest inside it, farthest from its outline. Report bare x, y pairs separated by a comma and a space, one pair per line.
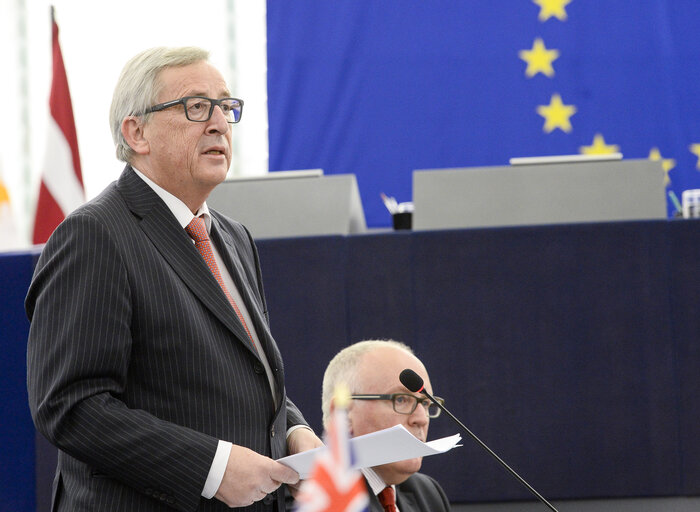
258, 368
149, 491
268, 499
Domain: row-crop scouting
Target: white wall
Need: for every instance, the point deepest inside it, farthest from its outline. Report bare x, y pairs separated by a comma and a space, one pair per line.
97, 38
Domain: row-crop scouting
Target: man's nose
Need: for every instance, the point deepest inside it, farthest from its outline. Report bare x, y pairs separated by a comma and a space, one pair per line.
218, 122
419, 416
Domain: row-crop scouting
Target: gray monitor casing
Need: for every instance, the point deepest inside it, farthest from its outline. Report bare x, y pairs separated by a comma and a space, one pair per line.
291, 204
552, 193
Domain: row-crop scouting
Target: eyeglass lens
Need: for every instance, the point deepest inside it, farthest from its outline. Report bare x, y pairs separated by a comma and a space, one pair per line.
406, 404
200, 109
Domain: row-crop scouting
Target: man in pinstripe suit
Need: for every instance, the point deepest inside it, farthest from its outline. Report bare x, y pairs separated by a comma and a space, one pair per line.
153, 371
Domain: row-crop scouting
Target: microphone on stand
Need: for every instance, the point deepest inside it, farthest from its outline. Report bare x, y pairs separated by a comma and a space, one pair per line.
414, 383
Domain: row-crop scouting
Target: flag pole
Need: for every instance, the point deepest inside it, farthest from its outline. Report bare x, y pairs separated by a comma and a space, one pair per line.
25, 121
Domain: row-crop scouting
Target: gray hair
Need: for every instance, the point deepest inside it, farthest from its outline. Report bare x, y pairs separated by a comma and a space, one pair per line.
138, 87
343, 370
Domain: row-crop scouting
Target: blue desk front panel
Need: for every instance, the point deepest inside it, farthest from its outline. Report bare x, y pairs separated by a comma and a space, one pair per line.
571, 350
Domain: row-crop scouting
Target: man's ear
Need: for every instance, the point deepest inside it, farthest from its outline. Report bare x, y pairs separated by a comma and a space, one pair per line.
133, 132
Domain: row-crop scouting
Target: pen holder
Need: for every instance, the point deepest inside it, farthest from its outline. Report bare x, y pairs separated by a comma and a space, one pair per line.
691, 203
402, 220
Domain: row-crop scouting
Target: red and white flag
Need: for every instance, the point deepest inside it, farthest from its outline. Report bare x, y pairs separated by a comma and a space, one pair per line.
333, 485
62, 180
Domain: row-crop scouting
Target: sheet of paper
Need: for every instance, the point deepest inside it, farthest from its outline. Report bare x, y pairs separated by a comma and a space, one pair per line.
382, 447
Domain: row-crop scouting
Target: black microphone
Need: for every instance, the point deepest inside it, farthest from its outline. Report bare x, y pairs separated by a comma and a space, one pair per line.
414, 383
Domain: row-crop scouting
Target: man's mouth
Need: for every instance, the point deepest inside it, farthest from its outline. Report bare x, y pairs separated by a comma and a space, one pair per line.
213, 152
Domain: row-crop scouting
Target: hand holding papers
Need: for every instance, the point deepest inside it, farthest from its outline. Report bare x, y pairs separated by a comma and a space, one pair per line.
382, 447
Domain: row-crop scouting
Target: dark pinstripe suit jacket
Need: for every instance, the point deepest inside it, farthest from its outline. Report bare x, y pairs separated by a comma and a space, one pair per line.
137, 365
420, 493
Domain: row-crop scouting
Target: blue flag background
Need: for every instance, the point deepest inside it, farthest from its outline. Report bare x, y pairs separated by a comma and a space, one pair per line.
379, 89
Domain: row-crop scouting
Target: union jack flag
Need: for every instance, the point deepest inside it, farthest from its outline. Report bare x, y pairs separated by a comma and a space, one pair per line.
333, 485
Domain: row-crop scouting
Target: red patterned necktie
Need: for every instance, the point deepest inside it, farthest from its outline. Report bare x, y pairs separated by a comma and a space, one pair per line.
386, 498
197, 230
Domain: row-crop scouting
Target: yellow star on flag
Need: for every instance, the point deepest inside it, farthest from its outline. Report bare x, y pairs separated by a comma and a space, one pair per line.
549, 8
666, 163
556, 114
695, 149
599, 147
539, 59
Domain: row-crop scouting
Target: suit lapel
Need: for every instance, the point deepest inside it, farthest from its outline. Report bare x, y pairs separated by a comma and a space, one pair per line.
161, 227
374, 505
405, 500
229, 253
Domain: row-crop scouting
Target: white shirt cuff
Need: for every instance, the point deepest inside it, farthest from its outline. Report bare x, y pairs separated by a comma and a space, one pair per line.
296, 427
217, 470
218, 465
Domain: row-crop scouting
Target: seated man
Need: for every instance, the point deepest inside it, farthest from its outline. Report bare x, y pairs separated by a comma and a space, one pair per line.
370, 369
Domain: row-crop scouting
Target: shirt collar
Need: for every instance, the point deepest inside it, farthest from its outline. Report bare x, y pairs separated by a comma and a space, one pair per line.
182, 213
374, 480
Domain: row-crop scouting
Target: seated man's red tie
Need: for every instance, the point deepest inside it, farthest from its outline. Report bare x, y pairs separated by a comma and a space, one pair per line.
386, 498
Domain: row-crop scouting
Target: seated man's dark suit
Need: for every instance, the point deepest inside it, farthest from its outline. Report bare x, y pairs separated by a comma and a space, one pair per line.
420, 493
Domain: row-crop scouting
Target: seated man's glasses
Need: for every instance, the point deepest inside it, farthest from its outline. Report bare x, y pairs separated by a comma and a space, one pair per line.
405, 404
199, 109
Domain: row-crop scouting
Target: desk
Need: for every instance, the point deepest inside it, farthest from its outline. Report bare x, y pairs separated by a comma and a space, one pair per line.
17, 433
571, 350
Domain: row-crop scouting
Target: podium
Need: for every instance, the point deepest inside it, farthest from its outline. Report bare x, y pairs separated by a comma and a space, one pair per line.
292, 203
549, 193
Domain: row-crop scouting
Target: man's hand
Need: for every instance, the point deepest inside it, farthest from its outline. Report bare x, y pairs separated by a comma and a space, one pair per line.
249, 477
301, 440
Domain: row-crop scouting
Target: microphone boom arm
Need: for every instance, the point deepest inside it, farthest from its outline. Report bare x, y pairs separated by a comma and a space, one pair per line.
410, 380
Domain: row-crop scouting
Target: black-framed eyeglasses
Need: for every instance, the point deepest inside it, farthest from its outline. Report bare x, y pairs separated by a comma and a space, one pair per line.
200, 108
405, 403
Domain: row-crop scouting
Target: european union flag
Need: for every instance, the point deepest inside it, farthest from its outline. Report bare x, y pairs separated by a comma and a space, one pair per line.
379, 89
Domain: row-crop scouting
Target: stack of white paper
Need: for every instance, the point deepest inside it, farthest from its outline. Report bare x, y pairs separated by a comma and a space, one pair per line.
382, 447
